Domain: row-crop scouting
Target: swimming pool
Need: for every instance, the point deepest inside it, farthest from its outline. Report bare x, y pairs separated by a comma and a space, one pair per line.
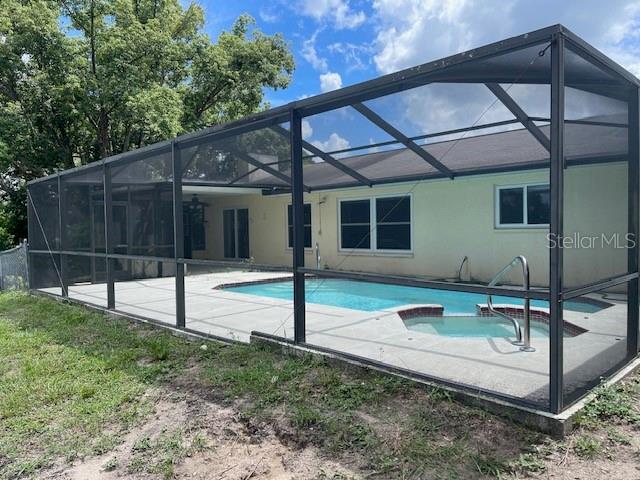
376, 296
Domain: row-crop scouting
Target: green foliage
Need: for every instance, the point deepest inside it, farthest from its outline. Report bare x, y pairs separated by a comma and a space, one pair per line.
13, 217
528, 463
110, 465
6, 239
616, 402
615, 436
587, 446
67, 376
305, 417
489, 465
84, 79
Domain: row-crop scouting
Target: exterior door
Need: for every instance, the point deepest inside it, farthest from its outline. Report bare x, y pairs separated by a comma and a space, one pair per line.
235, 222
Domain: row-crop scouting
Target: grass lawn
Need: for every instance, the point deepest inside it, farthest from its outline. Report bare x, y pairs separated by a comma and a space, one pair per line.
86, 396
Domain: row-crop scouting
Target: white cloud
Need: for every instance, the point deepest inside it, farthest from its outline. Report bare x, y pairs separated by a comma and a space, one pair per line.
339, 12
310, 54
415, 31
267, 16
628, 27
330, 81
412, 32
334, 142
357, 57
307, 130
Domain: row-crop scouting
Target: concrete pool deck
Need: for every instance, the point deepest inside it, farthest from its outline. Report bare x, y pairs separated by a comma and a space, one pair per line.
492, 364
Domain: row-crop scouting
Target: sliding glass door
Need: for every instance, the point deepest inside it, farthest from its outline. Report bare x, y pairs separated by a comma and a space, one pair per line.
236, 232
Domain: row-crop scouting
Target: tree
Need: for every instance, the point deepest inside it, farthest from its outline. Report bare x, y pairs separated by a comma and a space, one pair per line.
84, 79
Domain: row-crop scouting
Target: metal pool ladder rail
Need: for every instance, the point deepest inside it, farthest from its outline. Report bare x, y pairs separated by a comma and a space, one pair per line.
522, 338
318, 258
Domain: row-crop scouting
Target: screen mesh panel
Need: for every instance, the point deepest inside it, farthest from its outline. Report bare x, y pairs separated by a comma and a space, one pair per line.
44, 226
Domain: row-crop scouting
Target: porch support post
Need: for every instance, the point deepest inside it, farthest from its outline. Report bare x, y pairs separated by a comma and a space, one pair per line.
108, 235
178, 234
556, 372
27, 256
30, 235
520, 114
377, 120
634, 180
297, 201
64, 271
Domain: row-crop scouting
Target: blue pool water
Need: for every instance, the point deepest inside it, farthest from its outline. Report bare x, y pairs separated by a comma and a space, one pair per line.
376, 296
471, 327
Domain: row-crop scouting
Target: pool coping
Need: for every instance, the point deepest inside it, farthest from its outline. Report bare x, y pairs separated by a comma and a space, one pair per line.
225, 286
538, 314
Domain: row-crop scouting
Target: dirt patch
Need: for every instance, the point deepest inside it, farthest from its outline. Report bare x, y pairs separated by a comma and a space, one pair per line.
267, 459
189, 437
616, 456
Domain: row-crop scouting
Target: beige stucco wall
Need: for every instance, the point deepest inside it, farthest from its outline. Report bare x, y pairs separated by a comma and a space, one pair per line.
596, 201
451, 219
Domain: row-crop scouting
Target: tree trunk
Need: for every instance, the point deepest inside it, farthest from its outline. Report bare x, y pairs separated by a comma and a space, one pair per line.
92, 39
104, 140
127, 139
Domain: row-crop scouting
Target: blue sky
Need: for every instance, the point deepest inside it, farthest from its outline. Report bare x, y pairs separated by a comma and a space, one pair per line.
349, 41
341, 42
338, 48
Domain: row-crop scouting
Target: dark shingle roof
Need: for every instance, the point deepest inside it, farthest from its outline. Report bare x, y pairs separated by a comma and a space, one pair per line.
510, 150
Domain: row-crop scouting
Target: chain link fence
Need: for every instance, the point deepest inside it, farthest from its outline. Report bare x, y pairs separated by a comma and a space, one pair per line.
13, 268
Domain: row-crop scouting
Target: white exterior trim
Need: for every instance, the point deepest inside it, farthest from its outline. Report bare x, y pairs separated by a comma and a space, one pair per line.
525, 224
374, 250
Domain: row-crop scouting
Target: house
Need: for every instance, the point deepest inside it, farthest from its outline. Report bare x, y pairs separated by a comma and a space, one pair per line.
496, 208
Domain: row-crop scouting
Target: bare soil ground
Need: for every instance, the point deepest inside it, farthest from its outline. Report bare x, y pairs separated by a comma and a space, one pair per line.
217, 443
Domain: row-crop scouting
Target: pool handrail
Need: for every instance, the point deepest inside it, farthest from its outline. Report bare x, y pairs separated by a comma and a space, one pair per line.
318, 258
465, 259
523, 335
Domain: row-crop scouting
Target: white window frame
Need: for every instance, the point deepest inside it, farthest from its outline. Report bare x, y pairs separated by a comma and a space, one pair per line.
286, 223
525, 213
373, 223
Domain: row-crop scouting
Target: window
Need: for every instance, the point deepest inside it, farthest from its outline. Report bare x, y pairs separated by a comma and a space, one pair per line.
523, 206
392, 218
393, 223
355, 224
307, 226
